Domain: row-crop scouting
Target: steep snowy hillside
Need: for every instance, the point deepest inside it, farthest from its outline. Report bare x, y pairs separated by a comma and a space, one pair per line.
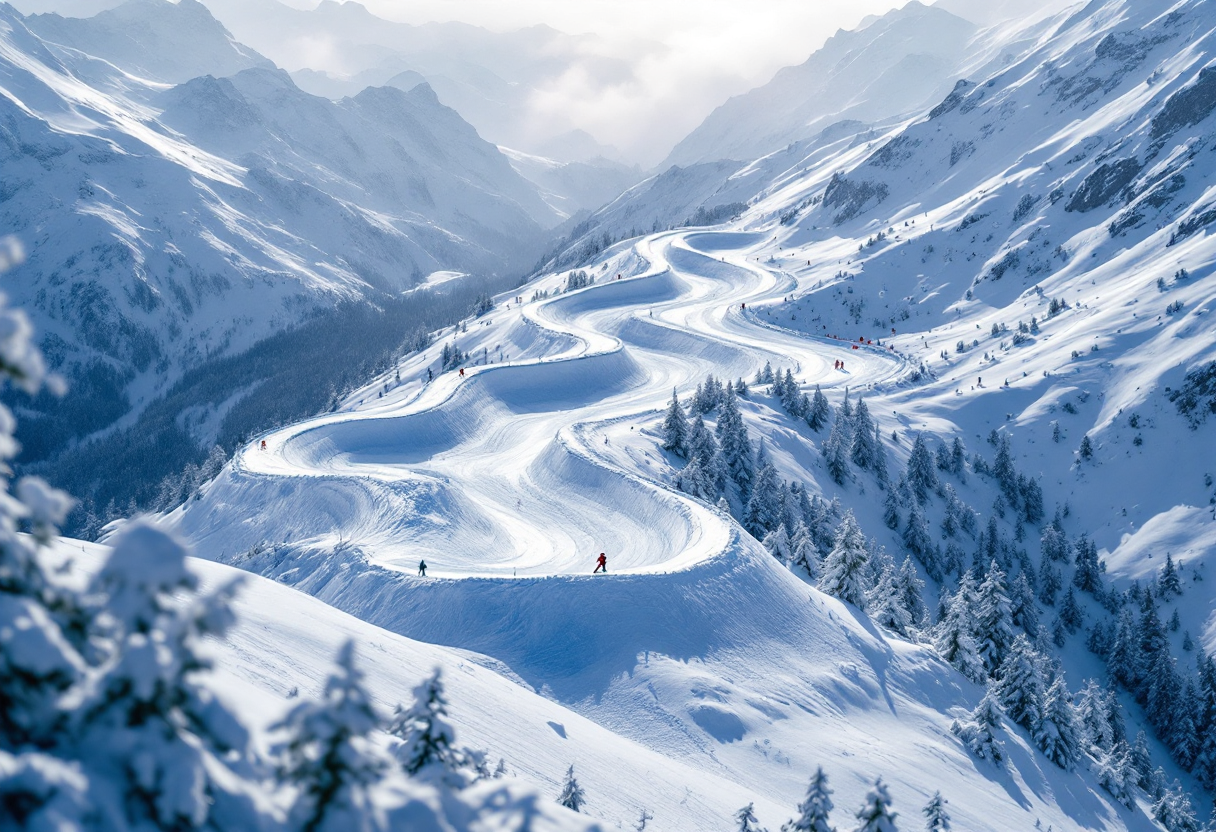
172, 227
995, 321
161, 41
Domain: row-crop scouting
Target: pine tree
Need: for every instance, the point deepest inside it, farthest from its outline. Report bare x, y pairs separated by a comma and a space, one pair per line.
875, 814
746, 818
814, 810
1167, 581
804, 554
1024, 612
978, 731
912, 591
1050, 583
777, 542
675, 427
847, 565
572, 795
921, 475
1055, 733
817, 414
1093, 718
1174, 811
936, 817
836, 449
1070, 612
704, 448
890, 510
695, 481
146, 721
427, 736
1115, 773
327, 756
1162, 693
763, 511
1004, 471
1086, 451
1020, 685
1140, 760
886, 604
994, 620
864, 448
735, 445
1054, 544
958, 459
953, 637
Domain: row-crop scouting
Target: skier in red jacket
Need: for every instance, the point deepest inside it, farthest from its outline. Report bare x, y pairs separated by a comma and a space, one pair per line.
601, 563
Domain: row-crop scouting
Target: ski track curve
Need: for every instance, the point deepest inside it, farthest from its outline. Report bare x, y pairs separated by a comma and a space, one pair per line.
510, 481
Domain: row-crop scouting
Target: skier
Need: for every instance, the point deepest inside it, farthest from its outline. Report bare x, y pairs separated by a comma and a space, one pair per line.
743, 306
462, 372
601, 563
422, 568
263, 444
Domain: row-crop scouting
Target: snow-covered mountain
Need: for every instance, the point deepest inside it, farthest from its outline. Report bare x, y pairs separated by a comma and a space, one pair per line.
897, 64
949, 525
170, 226
161, 41
1023, 268
338, 49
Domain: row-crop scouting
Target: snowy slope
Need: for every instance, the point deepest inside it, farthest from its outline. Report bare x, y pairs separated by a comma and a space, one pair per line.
698, 645
170, 225
892, 66
1076, 173
171, 42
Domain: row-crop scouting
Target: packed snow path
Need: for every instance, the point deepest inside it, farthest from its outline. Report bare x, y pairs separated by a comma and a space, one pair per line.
531, 467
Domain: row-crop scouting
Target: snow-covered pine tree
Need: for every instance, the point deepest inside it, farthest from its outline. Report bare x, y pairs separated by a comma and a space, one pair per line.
993, 619
1056, 733
890, 510
864, 448
912, 590
1022, 607
746, 818
921, 474
917, 540
327, 757
847, 565
953, 637
1020, 684
1174, 811
804, 554
766, 375
1088, 575
978, 731
1050, 583
777, 542
427, 737
146, 702
695, 480
675, 427
1115, 773
885, 604
819, 411
836, 449
1167, 580
791, 396
735, 445
763, 512
572, 795
1092, 718
1086, 451
875, 814
937, 819
958, 459
814, 810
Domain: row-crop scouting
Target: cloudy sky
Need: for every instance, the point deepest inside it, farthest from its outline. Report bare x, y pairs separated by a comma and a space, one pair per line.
687, 56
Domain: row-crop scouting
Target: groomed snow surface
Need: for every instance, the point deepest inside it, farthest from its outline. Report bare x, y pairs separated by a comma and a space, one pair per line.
700, 674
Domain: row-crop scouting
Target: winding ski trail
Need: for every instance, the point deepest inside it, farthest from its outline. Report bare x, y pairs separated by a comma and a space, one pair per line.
531, 467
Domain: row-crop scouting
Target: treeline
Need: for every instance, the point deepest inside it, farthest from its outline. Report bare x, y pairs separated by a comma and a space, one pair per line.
282, 379
988, 623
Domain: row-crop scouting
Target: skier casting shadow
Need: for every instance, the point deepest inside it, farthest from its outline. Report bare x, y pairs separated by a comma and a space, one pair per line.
601, 564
